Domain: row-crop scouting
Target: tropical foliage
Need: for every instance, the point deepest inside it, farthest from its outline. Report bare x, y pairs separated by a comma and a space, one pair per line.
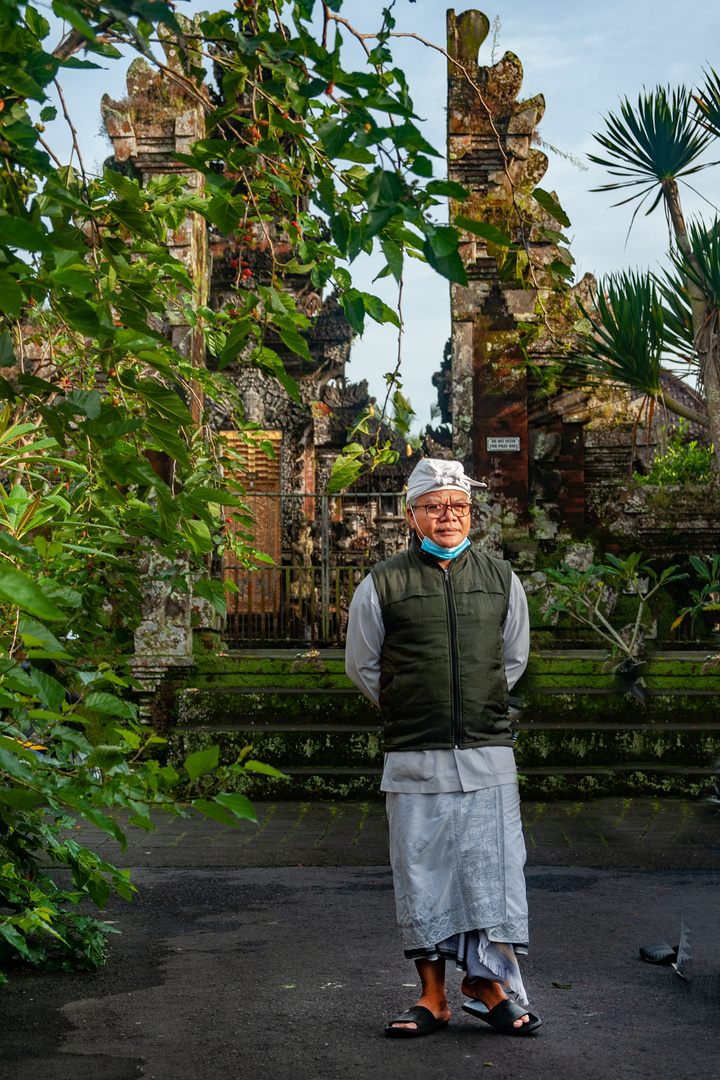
106, 460
587, 596
639, 320
707, 597
681, 462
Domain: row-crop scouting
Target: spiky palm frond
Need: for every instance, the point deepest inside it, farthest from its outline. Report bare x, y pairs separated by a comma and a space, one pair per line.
707, 103
628, 334
701, 264
698, 267
656, 141
677, 314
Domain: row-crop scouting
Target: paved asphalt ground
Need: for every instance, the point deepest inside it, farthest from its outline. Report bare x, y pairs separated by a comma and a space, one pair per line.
271, 952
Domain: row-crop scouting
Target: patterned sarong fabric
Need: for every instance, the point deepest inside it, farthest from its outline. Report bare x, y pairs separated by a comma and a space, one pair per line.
457, 860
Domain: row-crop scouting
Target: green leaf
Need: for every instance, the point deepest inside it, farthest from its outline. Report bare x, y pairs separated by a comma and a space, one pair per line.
61, 594
354, 308
124, 186
384, 191
11, 296
699, 567
35, 635
421, 166
16, 232
225, 212
198, 536
238, 804
261, 767
202, 761
168, 439
484, 230
212, 810
449, 188
268, 360
86, 402
13, 547
214, 593
552, 206
113, 706
450, 266
78, 314
13, 76
7, 353
49, 690
351, 152
443, 239
166, 402
38, 26
105, 757
393, 254
20, 799
15, 939
72, 15
345, 471
11, 764
561, 269
133, 218
18, 588
220, 496
294, 341
379, 311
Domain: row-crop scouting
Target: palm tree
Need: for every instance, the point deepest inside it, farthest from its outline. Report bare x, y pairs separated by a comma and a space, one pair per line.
631, 334
639, 319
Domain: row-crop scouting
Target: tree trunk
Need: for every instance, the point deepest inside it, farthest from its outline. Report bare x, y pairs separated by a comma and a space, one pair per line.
684, 410
712, 394
75, 40
698, 301
705, 321
707, 346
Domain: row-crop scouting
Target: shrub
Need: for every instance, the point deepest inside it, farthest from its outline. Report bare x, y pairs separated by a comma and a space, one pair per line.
682, 463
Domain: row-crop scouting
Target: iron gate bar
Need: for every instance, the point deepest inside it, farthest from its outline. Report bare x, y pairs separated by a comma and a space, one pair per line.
325, 565
303, 604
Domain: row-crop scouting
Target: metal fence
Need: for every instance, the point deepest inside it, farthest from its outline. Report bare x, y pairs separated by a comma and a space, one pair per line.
305, 604
308, 604
292, 604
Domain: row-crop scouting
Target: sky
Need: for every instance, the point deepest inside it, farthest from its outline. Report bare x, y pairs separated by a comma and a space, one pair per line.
584, 58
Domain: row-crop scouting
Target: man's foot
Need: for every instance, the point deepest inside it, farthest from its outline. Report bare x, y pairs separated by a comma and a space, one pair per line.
490, 993
437, 1006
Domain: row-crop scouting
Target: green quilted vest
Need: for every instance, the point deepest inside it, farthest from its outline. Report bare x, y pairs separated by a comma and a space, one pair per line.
442, 677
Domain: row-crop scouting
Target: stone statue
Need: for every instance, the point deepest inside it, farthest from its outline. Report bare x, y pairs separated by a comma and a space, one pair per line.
254, 406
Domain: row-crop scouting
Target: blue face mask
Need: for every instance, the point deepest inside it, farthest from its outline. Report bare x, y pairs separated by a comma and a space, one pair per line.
441, 552
431, 548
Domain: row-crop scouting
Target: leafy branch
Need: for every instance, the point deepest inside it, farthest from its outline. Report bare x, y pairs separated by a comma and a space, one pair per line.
583, 596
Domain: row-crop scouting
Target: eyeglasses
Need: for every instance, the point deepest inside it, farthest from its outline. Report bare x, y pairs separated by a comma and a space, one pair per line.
436, 510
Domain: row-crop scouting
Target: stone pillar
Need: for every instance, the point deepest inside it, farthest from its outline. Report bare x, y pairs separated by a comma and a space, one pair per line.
490, 152
159, 118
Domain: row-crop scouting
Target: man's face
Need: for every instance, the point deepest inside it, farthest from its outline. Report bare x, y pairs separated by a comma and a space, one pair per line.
448, 529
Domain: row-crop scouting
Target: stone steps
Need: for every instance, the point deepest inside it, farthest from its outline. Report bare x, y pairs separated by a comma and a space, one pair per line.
580, 733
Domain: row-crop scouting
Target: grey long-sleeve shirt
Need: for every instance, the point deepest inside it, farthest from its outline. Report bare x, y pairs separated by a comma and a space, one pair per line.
431, 771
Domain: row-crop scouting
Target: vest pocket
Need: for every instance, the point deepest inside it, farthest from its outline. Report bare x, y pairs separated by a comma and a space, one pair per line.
406, 765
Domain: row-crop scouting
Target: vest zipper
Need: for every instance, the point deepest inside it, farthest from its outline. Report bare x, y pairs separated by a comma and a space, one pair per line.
454, 659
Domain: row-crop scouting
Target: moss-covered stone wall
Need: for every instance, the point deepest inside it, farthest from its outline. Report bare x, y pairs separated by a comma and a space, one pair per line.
580, 733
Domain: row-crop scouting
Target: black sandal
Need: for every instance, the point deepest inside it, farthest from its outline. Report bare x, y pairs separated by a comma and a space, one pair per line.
418, 1014
503, 1016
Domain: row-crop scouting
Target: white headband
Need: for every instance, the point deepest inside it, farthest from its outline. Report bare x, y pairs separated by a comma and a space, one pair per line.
434, 474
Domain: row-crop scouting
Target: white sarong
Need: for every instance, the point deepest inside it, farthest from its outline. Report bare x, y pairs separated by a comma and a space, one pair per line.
457, 859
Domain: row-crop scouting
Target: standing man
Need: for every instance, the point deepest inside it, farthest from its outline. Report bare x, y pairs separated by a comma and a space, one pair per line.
437, 635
